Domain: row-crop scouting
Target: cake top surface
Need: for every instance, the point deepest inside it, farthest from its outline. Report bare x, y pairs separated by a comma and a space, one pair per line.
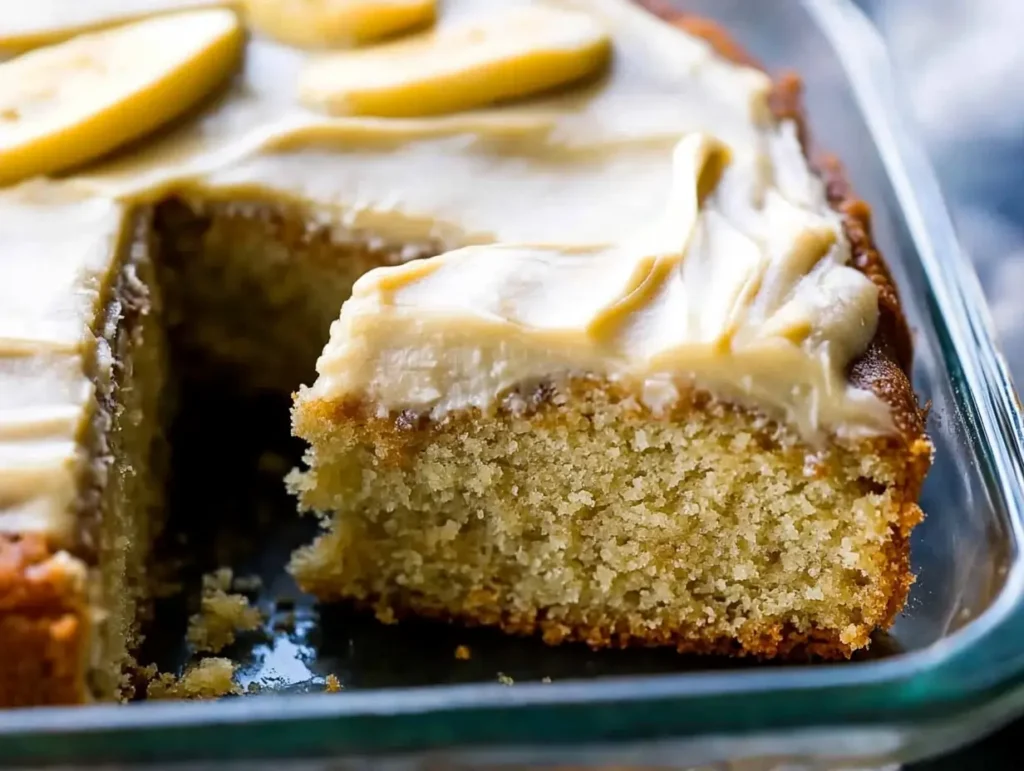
553, 136
516, 171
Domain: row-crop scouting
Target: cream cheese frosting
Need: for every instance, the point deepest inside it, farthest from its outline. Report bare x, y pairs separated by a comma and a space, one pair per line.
55, 259
741, 288
556, 204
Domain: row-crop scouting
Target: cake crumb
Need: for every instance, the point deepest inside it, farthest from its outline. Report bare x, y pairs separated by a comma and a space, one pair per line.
209, 679
134, 678
333, 684
505, 679
221, 615
162, 686
463, 653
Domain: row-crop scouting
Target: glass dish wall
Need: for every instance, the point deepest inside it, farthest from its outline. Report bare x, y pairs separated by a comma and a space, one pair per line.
952, 667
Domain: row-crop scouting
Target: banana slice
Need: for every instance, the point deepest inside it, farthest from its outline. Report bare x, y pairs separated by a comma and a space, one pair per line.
509, 54
72, 102
323, 23
26, 25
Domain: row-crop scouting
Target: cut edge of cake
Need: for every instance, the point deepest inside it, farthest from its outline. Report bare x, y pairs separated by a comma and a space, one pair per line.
71, 602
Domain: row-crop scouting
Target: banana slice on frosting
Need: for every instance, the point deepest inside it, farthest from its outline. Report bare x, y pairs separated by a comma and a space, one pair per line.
504, 55
69, 103
321, 23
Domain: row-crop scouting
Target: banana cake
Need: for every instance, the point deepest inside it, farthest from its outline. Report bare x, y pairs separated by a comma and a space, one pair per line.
615, 361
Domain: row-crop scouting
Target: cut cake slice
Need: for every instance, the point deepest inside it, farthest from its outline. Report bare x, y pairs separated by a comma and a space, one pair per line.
702, 435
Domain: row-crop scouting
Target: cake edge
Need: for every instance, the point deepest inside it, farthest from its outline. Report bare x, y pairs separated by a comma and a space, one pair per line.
54, 624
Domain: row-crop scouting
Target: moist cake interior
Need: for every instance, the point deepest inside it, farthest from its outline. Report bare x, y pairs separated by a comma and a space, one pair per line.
135, 409
252, 289
586, 519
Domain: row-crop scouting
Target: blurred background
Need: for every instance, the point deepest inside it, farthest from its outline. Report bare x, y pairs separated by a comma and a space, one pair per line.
959, 62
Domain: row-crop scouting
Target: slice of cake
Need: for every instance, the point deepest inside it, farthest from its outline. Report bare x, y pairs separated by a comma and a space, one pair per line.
701, 434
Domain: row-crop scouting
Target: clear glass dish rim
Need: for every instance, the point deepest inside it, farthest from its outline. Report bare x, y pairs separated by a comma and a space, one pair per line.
976, 666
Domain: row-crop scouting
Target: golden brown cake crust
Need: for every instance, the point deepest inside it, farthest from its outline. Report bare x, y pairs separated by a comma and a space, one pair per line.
759, 641
43, 626
885, 367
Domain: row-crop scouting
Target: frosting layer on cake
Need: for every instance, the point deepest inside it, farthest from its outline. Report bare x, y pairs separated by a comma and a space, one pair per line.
55, 255
547, 187
742, 287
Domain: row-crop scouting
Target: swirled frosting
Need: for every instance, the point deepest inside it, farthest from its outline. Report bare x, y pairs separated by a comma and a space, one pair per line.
740, 287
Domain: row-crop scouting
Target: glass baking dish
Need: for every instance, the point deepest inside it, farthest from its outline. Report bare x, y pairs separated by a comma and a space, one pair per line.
951, 669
